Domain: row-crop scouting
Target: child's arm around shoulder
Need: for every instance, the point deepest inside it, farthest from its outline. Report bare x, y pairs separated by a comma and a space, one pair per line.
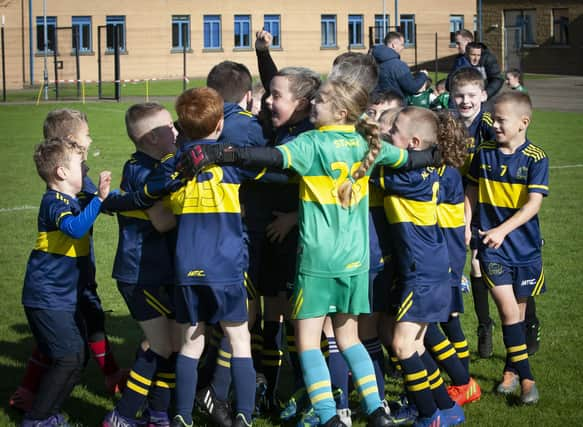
79, 225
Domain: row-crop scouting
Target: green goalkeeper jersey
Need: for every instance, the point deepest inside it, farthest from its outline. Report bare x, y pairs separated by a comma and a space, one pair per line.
333, 240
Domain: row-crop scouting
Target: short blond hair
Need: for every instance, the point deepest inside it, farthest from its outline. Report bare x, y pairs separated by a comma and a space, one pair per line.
63, 123
52, 153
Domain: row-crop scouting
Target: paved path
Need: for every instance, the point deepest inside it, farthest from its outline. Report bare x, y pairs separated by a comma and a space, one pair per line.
557, 94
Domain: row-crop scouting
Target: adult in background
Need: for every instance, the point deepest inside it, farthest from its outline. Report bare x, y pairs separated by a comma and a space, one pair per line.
394, 74
488, 61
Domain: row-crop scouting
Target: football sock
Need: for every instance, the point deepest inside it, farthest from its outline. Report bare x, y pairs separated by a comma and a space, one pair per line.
363, 377
37, 365
257, 345
338, 372
163, 384
293, 355
480, 296
417, 385
436, 383
186, 376
272, 354
101, 351
530, 315
138, 385
221, 381
375, 351
318, 385
244, 385
453, 330
516, 352
442, 350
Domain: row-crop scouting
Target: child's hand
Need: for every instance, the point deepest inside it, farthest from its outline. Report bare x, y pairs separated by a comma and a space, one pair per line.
263, 40
492, 238
281, 226
104, 184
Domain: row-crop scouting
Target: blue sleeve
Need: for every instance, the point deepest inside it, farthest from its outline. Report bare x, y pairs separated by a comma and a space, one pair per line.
78, 226
409, 84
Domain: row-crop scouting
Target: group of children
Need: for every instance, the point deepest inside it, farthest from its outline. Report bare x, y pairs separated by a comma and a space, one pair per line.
348, 216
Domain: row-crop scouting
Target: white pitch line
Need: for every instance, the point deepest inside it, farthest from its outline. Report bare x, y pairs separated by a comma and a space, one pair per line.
18, 208
567, 166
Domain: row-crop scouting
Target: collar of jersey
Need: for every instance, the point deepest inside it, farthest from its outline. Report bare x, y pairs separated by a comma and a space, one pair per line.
337, 128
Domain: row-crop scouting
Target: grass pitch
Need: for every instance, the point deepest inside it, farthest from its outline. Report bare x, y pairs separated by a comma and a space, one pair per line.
556, 366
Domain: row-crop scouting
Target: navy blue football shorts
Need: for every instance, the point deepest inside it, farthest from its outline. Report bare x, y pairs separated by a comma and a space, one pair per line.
147, 303
423, 303
526, 280
211, 304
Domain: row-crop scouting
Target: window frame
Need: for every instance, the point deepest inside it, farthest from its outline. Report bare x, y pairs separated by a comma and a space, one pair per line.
378, 26
84, 23
328, 29
241, 30
563, 26
456, 23
40, 34
407, 26
524, 24
114, 21
269, 21
353, 32
212, 21
181, 21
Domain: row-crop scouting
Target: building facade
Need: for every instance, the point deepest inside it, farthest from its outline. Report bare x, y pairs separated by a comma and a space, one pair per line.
160, 38
536, 36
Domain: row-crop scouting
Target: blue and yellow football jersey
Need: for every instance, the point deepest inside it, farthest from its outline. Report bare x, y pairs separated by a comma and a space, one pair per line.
419, 247
210, 245
504, 182
58, 264
143, 254
480, 130
450, 217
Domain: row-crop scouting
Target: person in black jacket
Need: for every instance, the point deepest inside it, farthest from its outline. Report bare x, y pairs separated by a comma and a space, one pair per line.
394, 74
488, 61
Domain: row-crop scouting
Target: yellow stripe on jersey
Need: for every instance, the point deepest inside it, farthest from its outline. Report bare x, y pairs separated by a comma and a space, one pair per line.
245, 113
260, 174
166, 157
534, 152
502, 194
324, 190
337, 128
399, 209
541, 187
450, 215
138, 214
487, 118
287, 164
207, 197
57, 242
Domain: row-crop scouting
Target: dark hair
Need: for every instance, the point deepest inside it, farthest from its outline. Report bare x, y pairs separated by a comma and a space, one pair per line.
199, 111
303, 82
474, 45
392, 35
231, 80
62, 123
52, 153
515, 72
386, 96
466, 75
466, 34
138, 113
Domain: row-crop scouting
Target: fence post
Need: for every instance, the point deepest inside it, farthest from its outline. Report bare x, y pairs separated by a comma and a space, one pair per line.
436, 58
77, 63
117, 76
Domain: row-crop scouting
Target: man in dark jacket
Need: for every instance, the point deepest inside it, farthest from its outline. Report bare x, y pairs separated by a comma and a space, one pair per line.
494, 80
394, 74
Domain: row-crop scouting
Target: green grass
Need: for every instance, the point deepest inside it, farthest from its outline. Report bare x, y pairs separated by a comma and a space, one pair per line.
556, 366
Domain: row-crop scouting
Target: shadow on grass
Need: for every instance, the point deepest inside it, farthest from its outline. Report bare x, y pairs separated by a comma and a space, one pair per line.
81, 410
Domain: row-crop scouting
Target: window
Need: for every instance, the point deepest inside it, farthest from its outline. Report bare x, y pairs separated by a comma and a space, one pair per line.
380, 30
271, 23
525, 20
116, 25
242, 31
561, 26
51, 33
212, 31
328, 30
180, 32
81, 33
355, 30
408, 29
456, 23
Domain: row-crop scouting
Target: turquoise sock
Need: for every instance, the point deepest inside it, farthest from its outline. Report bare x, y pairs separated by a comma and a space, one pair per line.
363, 376
317, 380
